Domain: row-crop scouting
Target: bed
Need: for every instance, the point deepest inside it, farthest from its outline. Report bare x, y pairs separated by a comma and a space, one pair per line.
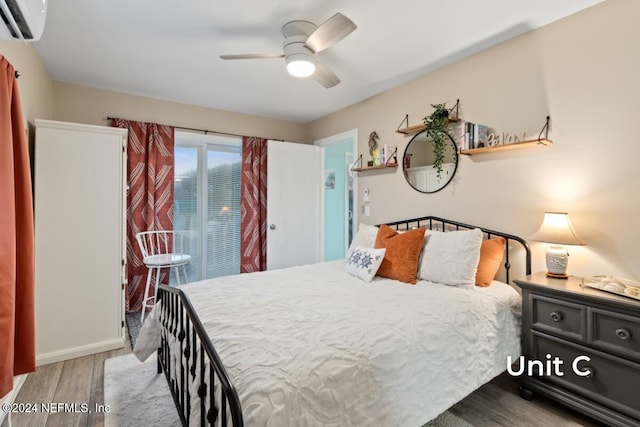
316, 345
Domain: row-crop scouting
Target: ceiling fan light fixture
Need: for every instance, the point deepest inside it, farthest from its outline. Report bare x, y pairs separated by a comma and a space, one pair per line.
300, 65
302, 40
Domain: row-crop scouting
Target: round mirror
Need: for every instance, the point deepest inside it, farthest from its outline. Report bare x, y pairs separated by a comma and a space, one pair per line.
420, 163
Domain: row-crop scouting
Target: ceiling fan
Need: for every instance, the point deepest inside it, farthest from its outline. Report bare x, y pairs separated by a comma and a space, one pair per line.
302, 40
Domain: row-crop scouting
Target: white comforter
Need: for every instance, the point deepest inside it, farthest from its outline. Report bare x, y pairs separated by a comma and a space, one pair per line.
314, 346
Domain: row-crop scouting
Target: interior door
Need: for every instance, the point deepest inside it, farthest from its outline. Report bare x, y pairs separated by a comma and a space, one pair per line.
338, 198
338, 194
293, 204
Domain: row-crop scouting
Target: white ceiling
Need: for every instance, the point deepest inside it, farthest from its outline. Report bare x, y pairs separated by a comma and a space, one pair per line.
169, 49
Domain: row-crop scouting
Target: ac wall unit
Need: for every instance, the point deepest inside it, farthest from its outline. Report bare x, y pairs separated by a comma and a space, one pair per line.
22, 19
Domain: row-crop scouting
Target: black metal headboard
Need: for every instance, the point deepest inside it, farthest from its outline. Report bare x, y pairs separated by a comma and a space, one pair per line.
441, 224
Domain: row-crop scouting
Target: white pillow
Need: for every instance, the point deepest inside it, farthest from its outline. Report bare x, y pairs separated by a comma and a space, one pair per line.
451, 257
366, 237
364, 262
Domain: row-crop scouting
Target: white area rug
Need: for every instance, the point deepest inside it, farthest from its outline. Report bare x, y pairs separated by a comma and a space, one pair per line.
136, 394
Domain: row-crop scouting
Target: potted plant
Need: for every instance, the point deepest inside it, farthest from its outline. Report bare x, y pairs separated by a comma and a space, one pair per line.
436, 129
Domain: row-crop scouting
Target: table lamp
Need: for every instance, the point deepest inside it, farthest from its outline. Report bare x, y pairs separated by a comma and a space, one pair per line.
556, 229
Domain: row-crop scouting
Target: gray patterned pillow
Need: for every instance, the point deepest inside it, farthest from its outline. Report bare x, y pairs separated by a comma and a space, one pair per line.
364, 262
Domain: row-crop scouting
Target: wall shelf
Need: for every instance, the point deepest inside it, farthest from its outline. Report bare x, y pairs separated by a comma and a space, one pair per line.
391, 163
410, 130
454, 116
521, 144
367, 168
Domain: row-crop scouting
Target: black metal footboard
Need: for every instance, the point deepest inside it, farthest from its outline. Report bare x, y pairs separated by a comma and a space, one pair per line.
192, 366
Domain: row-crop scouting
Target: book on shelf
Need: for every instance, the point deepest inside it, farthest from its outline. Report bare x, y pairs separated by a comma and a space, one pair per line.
385, 155
480, 135
469, 135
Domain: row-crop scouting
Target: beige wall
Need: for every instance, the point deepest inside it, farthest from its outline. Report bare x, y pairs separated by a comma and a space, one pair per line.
82, 104
42, 98
36, 90
582, 71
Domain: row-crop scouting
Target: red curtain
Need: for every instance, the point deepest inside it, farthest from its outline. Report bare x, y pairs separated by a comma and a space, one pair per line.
17, 263
150, 174
253, 205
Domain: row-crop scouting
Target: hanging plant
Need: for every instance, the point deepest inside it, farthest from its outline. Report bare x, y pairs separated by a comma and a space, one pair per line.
437, 123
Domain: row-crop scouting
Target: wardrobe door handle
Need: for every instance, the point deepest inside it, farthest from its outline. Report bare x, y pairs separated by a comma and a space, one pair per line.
556, 316
623, 334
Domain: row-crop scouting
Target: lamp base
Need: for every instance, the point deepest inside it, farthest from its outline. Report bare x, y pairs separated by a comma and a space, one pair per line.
557, 276
557, 259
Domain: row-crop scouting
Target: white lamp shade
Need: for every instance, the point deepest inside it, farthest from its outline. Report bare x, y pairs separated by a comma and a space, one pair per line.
556, 228
300, 65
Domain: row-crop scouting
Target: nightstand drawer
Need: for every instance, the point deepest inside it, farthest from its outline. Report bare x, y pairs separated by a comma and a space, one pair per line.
613, 383
615, 332
558, 317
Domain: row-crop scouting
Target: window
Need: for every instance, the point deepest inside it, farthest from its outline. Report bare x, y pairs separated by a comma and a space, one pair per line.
207, 202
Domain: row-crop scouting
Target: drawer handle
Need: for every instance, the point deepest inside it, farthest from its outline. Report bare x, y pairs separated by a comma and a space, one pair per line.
556, 316
623, 334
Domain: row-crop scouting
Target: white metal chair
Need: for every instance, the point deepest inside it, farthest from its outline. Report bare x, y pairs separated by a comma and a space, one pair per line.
161, 249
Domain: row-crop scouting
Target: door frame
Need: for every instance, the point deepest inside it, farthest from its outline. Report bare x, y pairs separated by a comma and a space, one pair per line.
322, 143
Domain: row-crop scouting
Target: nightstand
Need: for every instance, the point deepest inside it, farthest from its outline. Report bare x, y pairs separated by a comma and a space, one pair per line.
581, 347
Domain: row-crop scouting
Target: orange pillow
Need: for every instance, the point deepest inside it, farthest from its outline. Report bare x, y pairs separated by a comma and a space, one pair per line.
491, 254
402, 255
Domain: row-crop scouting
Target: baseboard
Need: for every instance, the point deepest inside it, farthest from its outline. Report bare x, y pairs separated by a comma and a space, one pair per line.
72, 353
11, 396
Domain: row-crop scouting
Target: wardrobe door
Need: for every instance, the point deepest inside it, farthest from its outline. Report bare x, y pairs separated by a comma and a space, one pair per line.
80, 232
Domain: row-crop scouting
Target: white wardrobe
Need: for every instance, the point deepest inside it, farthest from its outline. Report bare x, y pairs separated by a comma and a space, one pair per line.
80, 204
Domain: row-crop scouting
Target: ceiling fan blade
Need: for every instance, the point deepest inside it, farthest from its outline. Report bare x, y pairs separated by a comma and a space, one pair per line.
330, 32
253, 56
325, 76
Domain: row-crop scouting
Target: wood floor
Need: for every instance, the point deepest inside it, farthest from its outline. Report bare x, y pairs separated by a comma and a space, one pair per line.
81, 381
499, 404
72, 381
